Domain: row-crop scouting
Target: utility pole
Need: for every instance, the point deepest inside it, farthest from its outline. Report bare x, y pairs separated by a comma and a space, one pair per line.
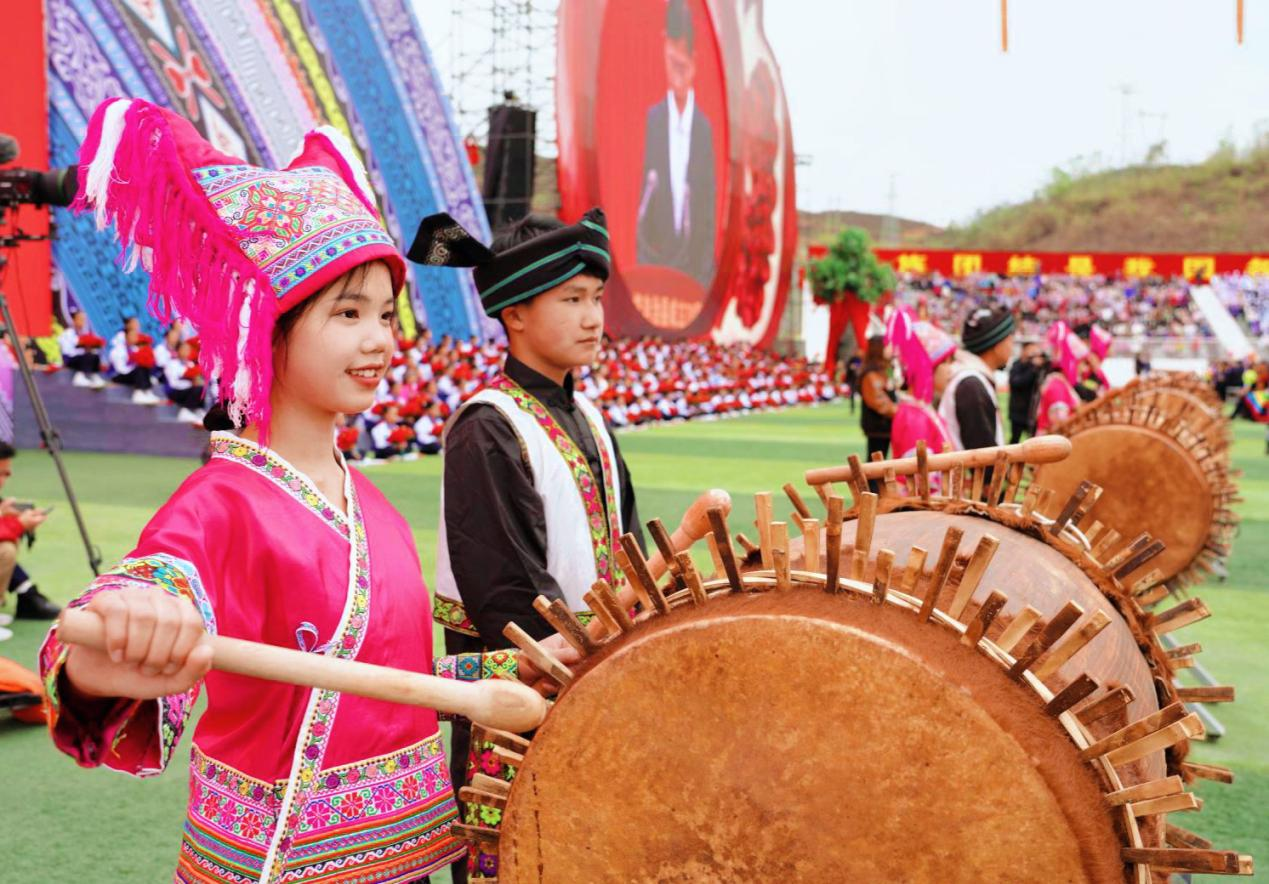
1126, 91
890, 223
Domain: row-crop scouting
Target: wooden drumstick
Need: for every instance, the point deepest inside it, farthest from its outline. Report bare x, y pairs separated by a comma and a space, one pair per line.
1040, 449
497, 703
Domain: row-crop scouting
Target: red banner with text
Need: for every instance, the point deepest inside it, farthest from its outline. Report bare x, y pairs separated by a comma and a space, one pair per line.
965, 262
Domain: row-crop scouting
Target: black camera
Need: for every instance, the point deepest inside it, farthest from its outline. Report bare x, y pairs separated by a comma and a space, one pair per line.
56, 187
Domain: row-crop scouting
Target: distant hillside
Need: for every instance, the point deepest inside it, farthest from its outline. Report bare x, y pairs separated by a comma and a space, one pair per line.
823, 227
1217, 205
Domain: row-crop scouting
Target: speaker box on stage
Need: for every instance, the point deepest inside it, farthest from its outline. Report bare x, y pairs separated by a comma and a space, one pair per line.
509, 164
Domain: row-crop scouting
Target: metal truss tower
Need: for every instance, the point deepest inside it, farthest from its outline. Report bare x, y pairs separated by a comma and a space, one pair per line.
500, 46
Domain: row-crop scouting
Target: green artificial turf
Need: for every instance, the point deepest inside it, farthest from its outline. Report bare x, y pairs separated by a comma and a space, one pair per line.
63, 824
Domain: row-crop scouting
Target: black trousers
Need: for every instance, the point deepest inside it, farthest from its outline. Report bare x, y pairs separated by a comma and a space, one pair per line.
89, 363
882, 444
191, 398
1017, 429
137, 379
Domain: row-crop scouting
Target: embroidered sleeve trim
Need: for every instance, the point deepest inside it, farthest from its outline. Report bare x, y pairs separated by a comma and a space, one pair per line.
171, 575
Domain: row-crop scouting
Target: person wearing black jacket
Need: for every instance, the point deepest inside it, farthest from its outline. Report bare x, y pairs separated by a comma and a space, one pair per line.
1024, 388
878, 398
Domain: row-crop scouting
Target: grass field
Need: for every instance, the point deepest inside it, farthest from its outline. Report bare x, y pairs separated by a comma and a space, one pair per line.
62, 824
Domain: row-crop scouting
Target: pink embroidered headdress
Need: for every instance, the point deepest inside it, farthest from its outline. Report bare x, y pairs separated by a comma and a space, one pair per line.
919, 346
1067, 349
230, 247
1099, 341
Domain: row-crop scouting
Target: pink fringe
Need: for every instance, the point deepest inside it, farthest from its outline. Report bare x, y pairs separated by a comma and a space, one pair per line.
902, 338
1067, 349
197, 269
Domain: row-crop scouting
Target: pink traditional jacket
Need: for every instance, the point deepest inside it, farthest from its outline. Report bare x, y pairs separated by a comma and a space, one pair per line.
915, 420
1057, 401
286, 783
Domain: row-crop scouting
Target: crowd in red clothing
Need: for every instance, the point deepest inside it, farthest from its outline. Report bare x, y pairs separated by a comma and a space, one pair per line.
1127, 308
634, 381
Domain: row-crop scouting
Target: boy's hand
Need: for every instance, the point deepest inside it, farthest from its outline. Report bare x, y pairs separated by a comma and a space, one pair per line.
538, 680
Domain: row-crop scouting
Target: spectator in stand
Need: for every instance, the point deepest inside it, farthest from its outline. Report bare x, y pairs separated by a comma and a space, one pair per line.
168, 349
132, 360
183, 380
428, 430
81, 352
1024, 387
878, 397
347, 435
390, 437
1141, 362
18, 520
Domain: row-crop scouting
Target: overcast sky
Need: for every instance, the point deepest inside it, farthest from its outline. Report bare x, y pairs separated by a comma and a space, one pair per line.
919, 90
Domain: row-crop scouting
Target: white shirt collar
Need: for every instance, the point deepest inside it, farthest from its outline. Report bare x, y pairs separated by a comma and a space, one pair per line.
682, 120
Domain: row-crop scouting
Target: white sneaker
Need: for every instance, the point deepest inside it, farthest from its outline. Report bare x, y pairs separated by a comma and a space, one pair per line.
144, 397
97, 382
5, 634
6, 619
80, 380
186, 416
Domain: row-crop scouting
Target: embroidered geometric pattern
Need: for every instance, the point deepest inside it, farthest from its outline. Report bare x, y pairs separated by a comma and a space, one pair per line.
381, 819
315, 732
293, 223
481, 759
478, 666
603, 537
227, 446
171, 575
452, 614
316, 729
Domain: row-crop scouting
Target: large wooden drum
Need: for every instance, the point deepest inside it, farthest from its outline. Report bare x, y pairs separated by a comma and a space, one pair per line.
950, 690
796, 735
1159, 447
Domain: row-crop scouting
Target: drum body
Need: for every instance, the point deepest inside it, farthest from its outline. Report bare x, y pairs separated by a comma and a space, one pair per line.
1151, 482
803, 736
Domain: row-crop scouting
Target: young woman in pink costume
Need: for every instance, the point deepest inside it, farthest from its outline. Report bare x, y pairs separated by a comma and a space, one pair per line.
1058, 398
290, 279
926, 355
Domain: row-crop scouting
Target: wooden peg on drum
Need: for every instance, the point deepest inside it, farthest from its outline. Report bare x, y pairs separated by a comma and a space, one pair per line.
694, 525
1038, 450
502, 704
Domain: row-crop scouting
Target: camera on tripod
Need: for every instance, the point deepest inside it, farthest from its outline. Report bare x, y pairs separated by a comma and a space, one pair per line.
57, 187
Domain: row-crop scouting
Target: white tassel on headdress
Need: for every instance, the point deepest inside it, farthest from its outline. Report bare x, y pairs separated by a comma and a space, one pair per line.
242, 377
101, 169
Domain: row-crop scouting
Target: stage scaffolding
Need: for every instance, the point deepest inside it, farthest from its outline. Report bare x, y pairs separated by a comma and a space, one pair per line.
497, 47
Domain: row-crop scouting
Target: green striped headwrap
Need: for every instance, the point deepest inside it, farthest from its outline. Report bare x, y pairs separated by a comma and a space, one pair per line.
519, 273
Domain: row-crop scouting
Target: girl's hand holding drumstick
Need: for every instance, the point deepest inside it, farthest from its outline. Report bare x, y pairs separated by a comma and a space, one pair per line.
152, 646
145, 644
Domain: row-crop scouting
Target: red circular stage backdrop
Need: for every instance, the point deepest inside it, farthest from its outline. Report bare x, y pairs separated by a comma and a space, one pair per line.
672, 117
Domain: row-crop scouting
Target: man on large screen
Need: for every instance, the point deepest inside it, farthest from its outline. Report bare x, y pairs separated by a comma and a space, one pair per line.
676, 205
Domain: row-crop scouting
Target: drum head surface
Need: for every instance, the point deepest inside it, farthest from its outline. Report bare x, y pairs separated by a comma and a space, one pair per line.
802, 736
